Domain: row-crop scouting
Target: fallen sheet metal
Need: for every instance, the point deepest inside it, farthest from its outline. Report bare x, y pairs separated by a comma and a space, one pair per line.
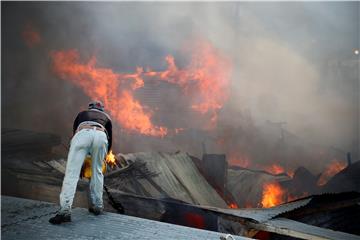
263, 214
300, 230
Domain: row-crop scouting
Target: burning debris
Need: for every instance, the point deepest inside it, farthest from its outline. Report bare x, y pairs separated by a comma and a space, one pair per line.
257, 188
174, 188
185, 183
345, 180
275, 169
272, 195
332, 169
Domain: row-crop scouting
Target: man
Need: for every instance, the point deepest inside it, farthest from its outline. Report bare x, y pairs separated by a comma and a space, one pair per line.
92, 135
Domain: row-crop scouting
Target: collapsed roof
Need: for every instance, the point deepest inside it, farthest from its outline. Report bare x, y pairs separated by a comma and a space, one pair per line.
165, 175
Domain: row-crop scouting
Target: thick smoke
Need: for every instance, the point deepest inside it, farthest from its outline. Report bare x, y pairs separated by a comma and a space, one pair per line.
292, 63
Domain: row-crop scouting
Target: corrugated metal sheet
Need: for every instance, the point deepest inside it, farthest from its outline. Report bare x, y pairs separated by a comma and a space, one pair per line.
28, 219
303, 231
264, 214
247, 185
346, 180
178, 177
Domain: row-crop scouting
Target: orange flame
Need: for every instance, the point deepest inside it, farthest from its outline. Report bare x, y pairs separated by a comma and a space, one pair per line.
233, 205
290, 173
242, 161
31, 36
110, 159
275, 169
86, 170
272, 195
111, 88
333, 168
278, 169
206, 78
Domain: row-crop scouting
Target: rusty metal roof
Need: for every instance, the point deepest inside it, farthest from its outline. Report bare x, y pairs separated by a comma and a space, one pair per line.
247, 185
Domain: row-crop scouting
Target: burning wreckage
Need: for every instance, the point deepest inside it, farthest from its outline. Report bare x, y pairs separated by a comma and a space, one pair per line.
200, 193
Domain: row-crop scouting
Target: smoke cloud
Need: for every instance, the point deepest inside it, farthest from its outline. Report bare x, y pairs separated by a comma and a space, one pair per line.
294, 88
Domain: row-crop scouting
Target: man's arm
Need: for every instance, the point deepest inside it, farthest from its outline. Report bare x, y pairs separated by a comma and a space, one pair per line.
109, 131
76, 124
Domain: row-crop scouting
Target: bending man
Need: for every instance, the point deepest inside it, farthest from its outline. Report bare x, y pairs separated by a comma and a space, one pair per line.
92, 135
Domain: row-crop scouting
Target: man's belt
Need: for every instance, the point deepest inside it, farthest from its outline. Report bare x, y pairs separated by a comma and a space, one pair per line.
81, 127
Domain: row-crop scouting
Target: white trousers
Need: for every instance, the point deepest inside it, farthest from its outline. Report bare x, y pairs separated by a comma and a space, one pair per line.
84, 142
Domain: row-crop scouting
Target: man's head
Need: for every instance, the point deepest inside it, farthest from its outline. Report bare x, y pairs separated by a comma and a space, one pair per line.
96, 105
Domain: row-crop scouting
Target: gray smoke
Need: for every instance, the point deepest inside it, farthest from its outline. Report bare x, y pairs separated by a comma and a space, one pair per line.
293, 63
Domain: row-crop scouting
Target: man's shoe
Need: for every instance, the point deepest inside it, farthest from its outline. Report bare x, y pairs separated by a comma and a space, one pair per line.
95, 210
60, 218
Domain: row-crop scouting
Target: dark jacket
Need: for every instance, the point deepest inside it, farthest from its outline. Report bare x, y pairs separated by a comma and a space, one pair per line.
95, 116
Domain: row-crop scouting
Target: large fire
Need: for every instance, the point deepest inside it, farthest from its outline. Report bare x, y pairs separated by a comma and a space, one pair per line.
114, 89
272, 195
205, 80
333, 168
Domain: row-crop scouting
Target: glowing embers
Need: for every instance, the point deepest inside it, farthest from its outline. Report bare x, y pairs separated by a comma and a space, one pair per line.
233, 205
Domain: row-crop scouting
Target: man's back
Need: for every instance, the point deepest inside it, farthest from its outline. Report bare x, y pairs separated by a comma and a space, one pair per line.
97, 116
